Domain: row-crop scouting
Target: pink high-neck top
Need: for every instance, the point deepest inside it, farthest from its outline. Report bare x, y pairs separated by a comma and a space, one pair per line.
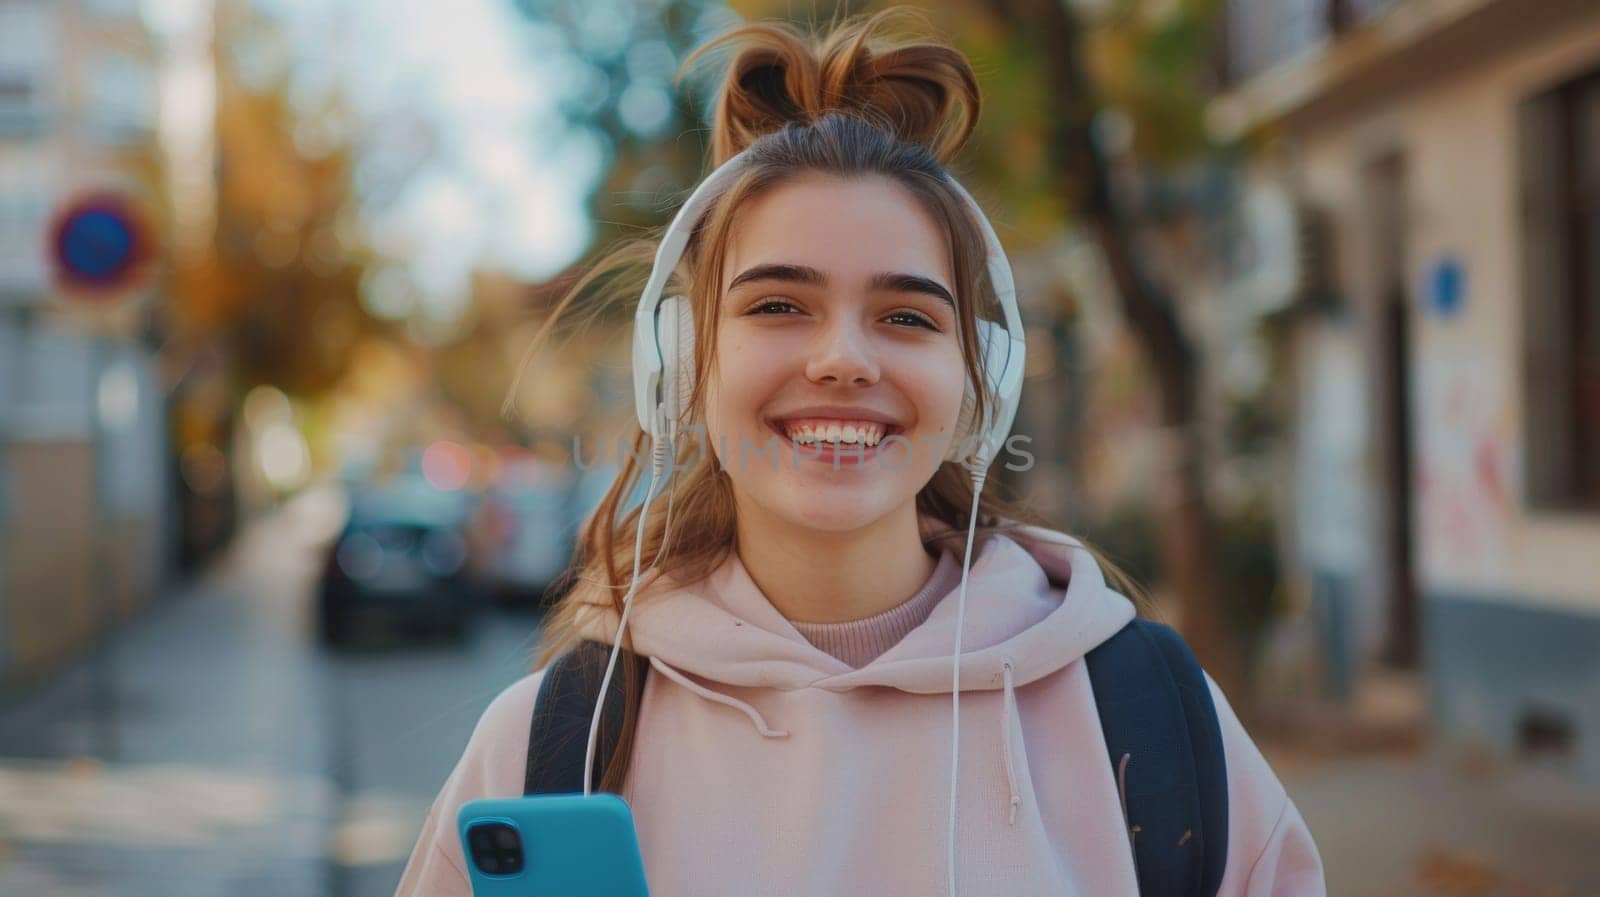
859, 642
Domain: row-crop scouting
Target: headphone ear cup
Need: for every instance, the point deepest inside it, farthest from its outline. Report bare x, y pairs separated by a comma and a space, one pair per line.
994, 344
676, 331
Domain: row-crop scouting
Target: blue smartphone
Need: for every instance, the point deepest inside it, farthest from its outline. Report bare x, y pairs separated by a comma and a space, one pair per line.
564, 844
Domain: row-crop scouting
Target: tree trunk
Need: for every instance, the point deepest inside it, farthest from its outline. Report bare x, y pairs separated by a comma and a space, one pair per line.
1189, 534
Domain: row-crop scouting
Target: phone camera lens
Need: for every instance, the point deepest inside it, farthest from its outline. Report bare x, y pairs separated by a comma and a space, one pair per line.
496, 848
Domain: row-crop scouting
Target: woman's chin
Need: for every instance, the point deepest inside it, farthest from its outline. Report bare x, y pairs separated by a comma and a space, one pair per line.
835, 510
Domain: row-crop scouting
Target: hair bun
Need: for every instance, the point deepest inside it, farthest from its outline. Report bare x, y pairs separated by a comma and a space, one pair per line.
922, 91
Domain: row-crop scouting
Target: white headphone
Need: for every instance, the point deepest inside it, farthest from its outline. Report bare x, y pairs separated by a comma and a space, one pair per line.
663, 336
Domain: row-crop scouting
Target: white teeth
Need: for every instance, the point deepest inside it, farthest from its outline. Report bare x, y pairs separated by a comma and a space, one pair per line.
865, 434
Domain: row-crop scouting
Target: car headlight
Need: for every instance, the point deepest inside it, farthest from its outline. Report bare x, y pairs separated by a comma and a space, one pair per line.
360, 556
443, 553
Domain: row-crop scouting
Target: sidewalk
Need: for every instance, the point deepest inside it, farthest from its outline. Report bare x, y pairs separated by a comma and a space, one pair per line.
1439, 823
217, 780
233, 755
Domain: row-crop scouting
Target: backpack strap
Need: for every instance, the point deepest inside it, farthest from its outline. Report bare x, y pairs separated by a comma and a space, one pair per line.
559, 734
1165, 742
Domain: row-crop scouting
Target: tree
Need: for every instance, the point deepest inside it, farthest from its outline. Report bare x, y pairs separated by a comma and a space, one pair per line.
277, 289
622, 58
1054, 35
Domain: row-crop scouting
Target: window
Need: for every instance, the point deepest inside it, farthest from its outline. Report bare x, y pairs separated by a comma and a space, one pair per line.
119, 106
29, 56
1356, 12
1259, 34
113, 10
1263, 33
1560, 162
28, 177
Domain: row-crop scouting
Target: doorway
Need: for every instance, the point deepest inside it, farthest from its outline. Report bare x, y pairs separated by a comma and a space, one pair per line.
1387, 190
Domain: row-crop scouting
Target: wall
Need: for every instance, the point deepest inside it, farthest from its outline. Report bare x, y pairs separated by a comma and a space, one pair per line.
1511, 594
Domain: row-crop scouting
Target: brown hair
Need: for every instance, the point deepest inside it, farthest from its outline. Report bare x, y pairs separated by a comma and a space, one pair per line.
845, 103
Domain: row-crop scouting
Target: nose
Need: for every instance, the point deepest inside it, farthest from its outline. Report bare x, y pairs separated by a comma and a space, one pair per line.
843, 353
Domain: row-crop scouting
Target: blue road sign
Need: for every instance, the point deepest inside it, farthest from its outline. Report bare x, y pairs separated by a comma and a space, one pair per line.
100, 245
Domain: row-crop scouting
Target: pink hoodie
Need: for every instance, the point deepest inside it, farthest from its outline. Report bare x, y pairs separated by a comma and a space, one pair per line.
765, 766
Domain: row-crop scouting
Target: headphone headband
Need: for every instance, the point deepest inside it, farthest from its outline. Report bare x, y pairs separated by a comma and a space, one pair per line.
657, 399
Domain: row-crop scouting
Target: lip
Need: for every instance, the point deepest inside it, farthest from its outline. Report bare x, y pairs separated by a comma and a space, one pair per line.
842, 413
838, 457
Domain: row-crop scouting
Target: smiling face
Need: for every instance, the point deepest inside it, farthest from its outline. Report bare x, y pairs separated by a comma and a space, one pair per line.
836, 343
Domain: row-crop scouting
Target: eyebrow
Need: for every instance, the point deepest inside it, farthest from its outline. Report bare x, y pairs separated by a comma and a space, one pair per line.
885, 281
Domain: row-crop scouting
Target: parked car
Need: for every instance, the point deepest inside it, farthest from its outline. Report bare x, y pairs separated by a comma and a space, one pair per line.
399, 564
528, 525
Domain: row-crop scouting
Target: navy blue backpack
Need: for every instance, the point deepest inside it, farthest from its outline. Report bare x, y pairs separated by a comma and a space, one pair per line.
1156, 712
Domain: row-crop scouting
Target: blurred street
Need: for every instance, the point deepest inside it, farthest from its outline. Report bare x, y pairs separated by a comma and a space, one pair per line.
316, 367
248, 761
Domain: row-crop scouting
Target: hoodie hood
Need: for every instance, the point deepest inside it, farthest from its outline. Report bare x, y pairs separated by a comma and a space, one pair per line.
1036, 601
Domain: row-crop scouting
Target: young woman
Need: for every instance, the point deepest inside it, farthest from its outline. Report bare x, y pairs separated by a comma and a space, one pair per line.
799, 606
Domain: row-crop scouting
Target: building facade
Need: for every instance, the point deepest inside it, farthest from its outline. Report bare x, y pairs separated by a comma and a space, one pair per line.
1448, 390
83, 496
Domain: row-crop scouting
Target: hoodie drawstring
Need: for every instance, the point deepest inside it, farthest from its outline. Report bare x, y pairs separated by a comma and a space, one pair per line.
1010, 701
1009, 714
718, 697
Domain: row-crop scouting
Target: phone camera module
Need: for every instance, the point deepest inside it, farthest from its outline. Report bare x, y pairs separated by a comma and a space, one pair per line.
496, 848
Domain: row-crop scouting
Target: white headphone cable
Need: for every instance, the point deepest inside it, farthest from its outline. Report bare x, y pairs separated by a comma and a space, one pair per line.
666, 523
658, 458
979, 473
